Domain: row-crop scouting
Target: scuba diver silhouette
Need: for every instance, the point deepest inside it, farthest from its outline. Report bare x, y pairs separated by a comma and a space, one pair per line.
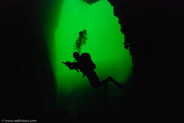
86, 66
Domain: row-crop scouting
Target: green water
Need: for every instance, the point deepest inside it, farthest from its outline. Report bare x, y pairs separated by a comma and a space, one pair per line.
104, 43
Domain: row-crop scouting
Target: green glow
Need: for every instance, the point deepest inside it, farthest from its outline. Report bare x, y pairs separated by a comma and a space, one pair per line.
104, 43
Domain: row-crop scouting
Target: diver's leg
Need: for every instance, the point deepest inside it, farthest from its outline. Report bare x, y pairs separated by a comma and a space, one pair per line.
104, 82
116, 83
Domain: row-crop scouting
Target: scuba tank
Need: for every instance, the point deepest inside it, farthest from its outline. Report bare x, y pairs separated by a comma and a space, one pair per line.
87, 61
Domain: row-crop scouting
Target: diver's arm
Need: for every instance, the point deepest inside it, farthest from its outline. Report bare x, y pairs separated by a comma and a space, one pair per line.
70, 65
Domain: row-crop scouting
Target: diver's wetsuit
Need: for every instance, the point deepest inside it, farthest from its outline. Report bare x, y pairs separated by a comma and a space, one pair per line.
86, 66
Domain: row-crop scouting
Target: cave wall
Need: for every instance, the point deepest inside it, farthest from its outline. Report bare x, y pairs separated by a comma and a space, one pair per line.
28, 85
151, 28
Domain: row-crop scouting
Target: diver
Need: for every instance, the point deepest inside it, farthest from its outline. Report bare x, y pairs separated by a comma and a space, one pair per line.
84, 64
